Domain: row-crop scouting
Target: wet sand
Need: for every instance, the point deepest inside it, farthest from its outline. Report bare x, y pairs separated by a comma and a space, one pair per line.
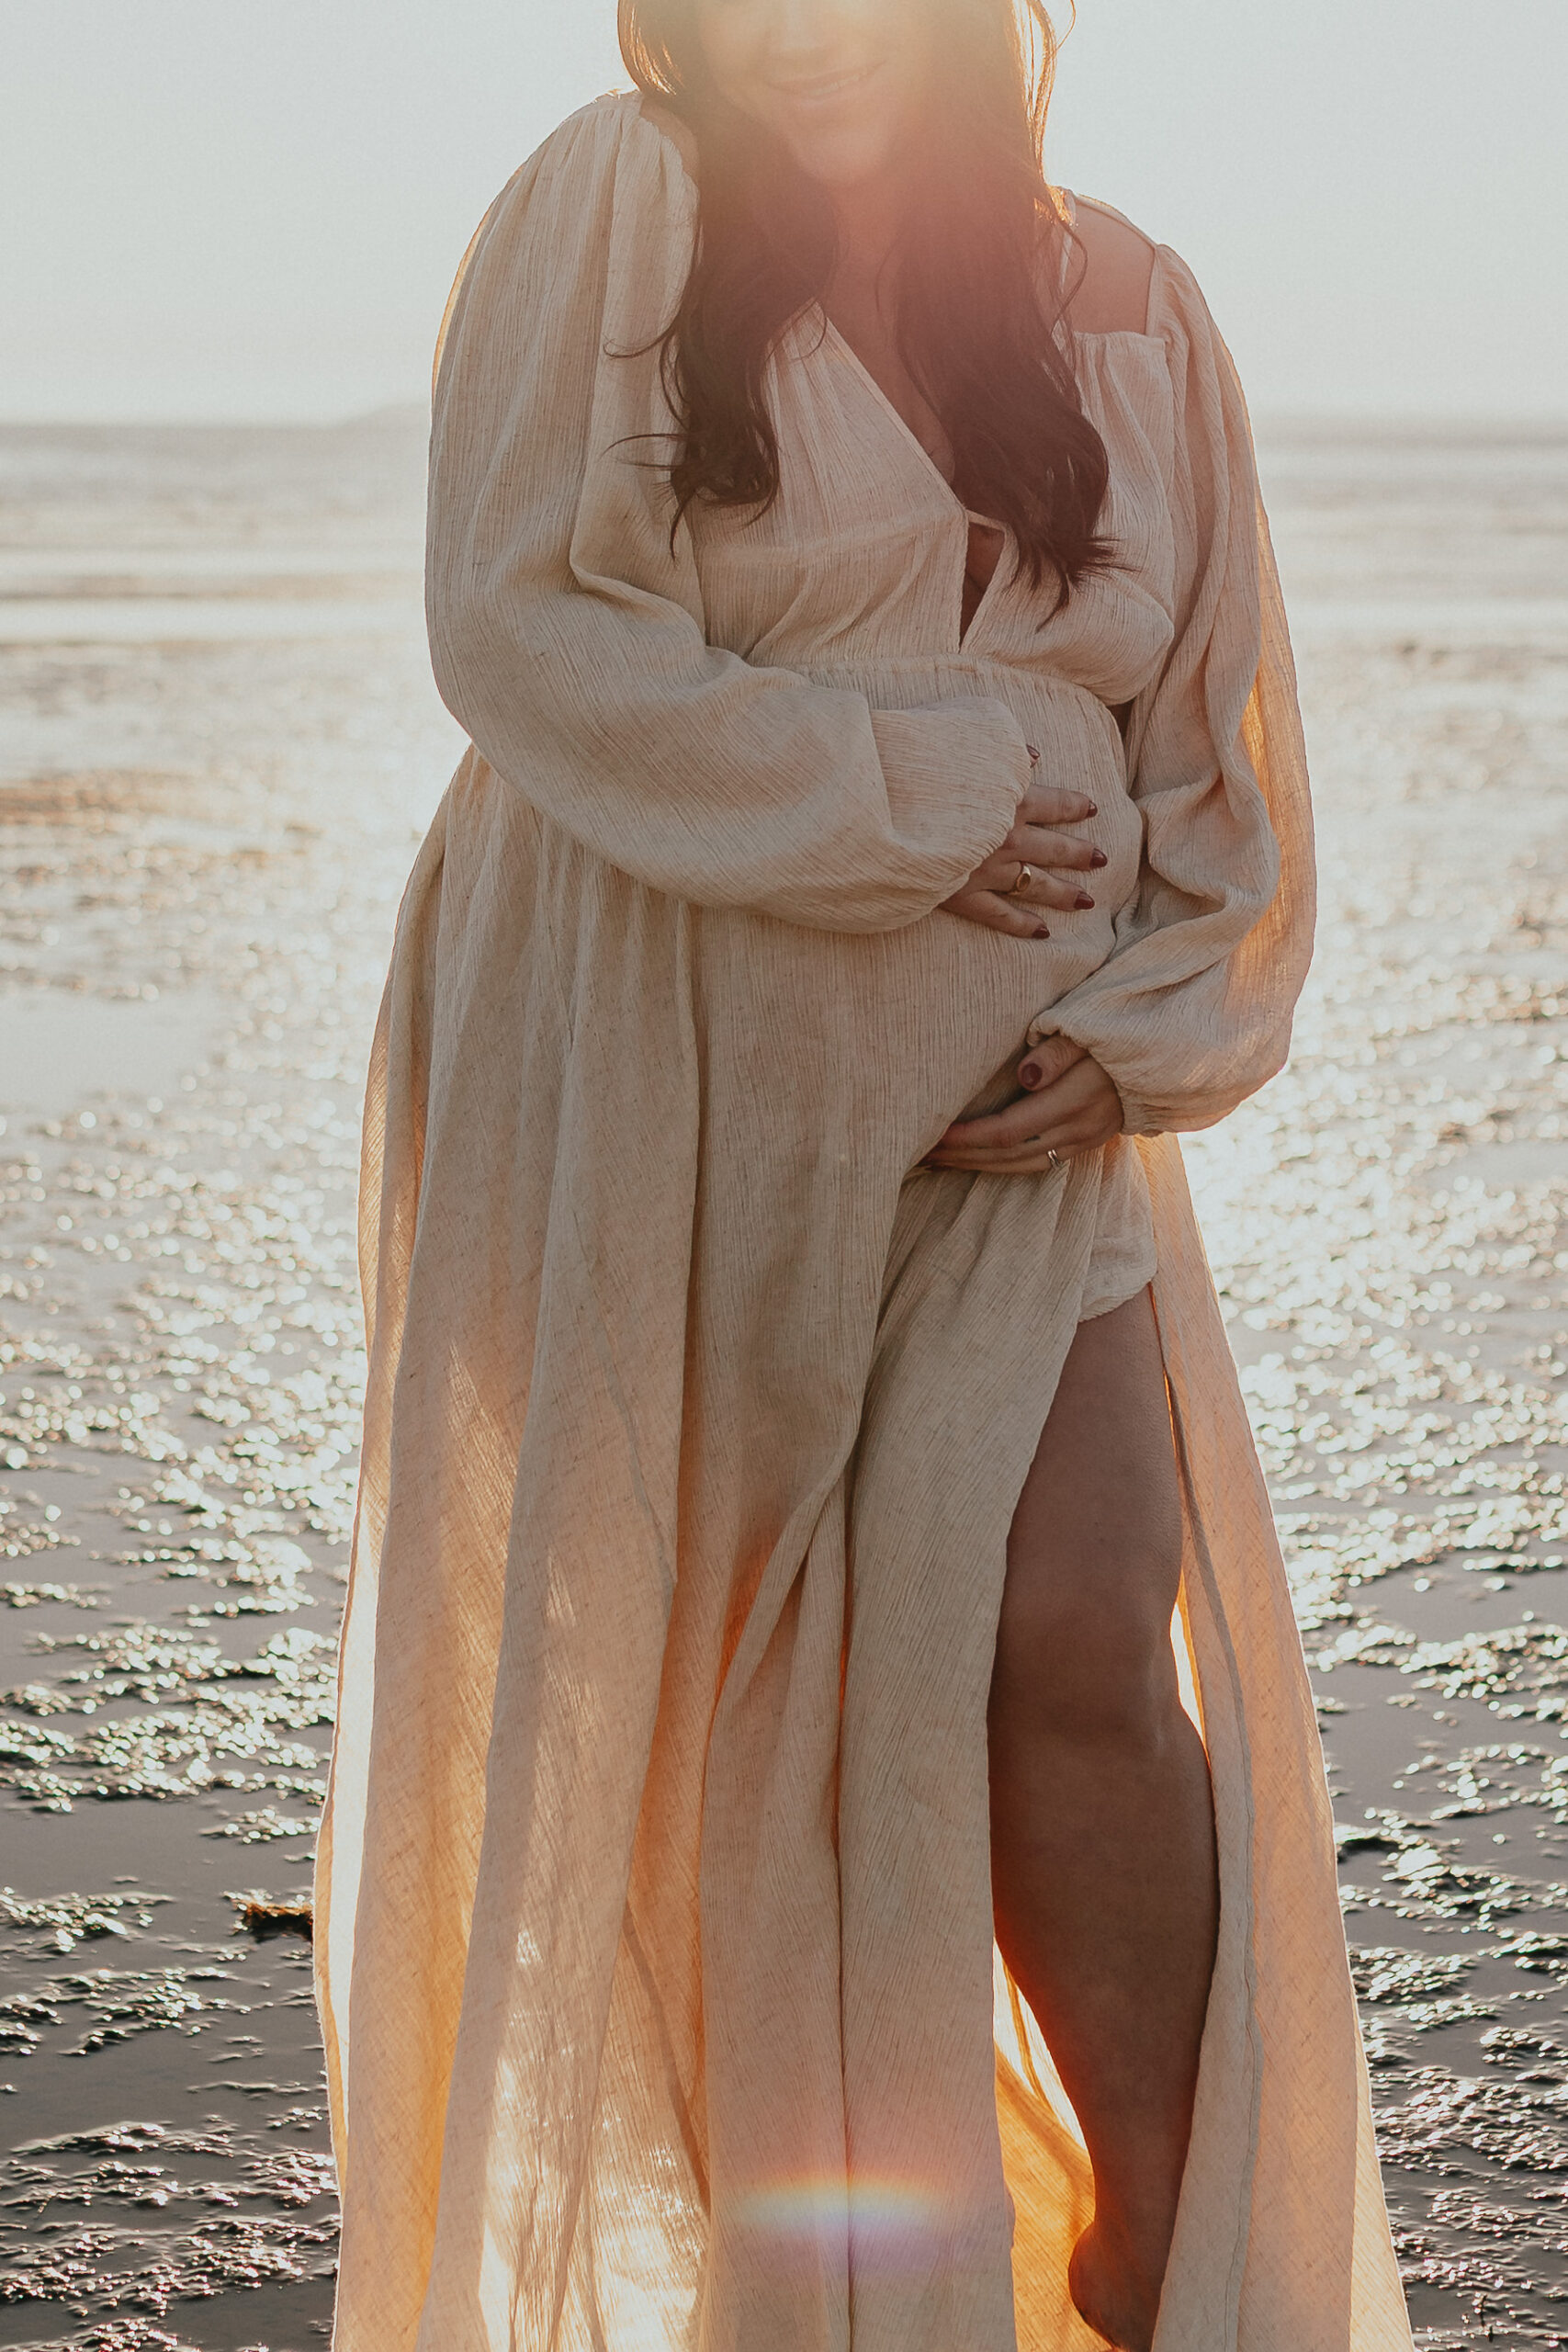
218, 745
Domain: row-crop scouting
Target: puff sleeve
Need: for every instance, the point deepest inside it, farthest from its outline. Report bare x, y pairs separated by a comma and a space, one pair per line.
1192, 1011
566, 627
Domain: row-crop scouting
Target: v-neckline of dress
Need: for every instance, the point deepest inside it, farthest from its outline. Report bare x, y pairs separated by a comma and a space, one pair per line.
846, 350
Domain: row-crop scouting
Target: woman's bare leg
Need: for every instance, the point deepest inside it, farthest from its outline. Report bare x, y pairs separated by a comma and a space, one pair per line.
1102, 1829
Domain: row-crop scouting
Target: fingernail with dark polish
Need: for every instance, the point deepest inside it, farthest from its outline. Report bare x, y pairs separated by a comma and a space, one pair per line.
1033, 755
1031, 1073
1099, 859
1041, 932
1083, 900
1093, 808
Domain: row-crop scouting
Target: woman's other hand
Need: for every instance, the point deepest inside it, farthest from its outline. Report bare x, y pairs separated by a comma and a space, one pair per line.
1069, 1106
992, 895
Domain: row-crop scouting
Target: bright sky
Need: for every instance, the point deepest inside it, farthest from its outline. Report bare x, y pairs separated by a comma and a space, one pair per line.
216, 210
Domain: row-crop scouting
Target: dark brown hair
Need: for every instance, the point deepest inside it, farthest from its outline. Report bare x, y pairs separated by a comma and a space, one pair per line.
980, 290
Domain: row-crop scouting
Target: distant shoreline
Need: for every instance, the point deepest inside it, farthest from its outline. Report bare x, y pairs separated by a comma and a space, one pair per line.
1435, 426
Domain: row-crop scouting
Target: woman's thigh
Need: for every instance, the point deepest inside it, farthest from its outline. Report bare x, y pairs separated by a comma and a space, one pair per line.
1094, 1557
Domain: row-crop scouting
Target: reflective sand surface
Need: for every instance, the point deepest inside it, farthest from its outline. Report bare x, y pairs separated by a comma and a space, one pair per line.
218, 746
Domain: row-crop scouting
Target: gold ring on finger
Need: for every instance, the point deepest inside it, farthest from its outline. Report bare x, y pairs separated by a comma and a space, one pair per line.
1054, 1157
1024, 882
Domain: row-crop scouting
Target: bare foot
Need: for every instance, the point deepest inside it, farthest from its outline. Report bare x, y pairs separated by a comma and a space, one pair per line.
1105, 2299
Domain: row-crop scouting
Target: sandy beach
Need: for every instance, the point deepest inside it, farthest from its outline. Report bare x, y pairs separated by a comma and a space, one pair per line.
219, 747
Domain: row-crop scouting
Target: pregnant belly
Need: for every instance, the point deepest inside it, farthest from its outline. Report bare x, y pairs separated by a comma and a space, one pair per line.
897, 1033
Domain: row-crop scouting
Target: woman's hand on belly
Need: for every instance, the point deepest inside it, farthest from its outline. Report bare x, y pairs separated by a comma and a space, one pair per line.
1007, 893
1070, 1105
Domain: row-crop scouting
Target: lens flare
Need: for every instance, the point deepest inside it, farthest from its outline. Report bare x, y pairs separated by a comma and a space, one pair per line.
886, 2223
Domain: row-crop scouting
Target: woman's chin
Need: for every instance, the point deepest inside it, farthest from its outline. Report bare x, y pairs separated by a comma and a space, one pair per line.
842, 157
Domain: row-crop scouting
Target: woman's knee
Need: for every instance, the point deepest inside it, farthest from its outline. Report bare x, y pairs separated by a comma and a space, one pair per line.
1084, 1644
1086, 1670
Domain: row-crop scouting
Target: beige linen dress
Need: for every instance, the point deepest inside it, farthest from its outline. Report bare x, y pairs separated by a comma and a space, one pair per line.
655, 1926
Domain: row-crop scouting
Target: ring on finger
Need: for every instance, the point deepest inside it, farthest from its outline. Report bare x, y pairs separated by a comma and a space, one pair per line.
1024, 882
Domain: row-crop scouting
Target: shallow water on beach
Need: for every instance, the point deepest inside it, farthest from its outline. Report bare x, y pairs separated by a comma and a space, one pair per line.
218, 745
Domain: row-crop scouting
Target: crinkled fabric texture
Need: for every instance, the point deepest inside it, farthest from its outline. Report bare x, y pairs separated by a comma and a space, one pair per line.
655, 1929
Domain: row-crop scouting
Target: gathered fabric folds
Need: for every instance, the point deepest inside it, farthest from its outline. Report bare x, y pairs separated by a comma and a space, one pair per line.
654, 1925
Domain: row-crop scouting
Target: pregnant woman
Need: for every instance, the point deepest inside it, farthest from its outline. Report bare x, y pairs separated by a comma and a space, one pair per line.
787, 1886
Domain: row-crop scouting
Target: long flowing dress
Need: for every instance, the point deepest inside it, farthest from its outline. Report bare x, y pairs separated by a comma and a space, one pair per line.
655, 1932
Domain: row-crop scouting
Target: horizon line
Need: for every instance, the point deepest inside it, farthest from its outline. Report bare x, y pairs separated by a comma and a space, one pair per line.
1265, 418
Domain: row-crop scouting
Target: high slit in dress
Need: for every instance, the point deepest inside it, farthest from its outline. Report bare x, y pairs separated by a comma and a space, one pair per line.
655, 1933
